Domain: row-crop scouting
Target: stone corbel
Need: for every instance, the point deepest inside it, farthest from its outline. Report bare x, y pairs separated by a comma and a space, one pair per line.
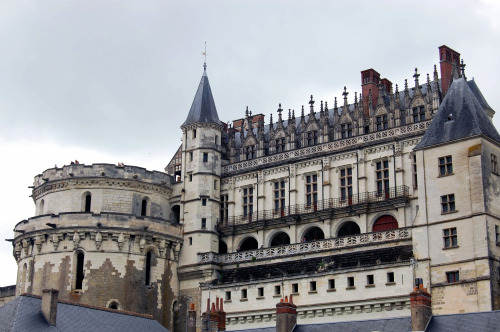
76, 240
142, 244
98, 240
55, 241
120, 241
25, 247
38, 242
177, 248
17, 251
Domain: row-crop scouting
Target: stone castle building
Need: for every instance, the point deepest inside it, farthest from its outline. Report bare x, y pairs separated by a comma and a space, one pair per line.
343, 205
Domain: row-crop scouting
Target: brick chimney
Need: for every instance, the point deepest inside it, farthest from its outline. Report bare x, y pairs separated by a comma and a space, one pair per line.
370, 80
286, 315
421, 308
447, 58
214, 319
49, 305
191, 318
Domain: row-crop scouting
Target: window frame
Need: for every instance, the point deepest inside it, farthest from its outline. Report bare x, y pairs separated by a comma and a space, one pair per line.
279, 194
445, 166
382, 177
494, 164
382, 122
418, 114
247, 201
450, 238
452, 277
311, 189
346, 130
448, 204
345, 183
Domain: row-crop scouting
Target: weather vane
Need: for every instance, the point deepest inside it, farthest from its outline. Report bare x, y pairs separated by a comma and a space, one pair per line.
205, 54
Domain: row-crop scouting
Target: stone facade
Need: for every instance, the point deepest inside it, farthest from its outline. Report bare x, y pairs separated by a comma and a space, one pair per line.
341, 207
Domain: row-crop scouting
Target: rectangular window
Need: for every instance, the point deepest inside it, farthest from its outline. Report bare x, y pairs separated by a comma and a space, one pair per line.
448, 203
369, 280
216, 139
190, 241
277, 290
450, 237
312, 138
190, 156
295, 288
346, 184
260, 292
494, 164
205, 157
223, 207
350, 282
228, 296
215, 184
280, 145
414, 171
204, 202
390, 277
497, 234
203, 222
382, 177
452, 276
279, 197
418, 114
331, 284
190, 177
311, 189
248, 202
194, 133
243, 293
382, 122
312, 286
346, 130
250, 152
445, 166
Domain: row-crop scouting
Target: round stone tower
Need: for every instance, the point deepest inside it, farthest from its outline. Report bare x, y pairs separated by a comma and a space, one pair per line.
102, 236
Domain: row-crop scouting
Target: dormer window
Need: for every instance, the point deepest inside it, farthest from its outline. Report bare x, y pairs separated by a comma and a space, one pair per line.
250, 152
280, 145
418, 114
346, 130
312, 138
382, 122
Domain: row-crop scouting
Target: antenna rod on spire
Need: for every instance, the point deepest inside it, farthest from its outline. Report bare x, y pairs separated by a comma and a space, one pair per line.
205, 54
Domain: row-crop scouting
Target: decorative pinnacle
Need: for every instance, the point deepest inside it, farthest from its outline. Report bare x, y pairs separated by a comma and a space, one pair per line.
335, 102
205, 54
302, 114
462, 68
345, 93
416, 75
397, 89
428, 79
279, 109
355, 97
246, 112
326, 106
406, 84
311, 102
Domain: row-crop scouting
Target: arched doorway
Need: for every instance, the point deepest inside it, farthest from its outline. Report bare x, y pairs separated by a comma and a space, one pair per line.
248, 244
222, 247
314, 233
385, 223
349, 228
279, 239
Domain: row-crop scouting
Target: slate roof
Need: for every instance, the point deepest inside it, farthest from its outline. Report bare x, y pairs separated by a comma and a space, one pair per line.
475, 89
388, 324
23, 314
467, 119
319, 264
474, 321
203, 108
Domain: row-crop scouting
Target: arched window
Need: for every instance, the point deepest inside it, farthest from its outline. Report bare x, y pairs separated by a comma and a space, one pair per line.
42, 206
313, 234
80, 259
148, 268
349, 228
114, 305
222, 247
144, 207
279, 239
385, 223
175, 214
88, 202
248, 244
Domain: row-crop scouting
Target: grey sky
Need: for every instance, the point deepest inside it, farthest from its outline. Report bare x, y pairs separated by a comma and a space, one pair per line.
109, 81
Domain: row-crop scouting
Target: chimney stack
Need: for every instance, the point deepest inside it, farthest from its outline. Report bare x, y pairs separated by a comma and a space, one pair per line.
214, 319
421, 307
191, 318
286, 315
49, 305
370, 79
448, 58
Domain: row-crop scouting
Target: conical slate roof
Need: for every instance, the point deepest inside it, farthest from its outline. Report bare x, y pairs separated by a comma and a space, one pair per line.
459, 116
203, 108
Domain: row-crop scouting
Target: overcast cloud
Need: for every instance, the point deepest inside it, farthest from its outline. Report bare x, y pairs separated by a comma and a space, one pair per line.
108, 81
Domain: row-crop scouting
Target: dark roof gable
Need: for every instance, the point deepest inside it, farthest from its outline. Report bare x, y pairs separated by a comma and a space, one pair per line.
459, 116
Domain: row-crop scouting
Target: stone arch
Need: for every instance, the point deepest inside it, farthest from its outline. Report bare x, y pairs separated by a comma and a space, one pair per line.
348, 228
222, 247
175, 214
78, 268
87, 201
312, 233
381, 111
145, 206
279, 239
113, 304
248, 243
312, 126
384, 223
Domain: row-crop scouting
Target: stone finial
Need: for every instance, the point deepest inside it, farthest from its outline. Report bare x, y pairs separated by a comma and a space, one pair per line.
462, 69
416, 76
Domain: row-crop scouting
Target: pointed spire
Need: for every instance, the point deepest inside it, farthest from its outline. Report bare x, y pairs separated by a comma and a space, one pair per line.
436, 76
302, 113
203, 109
355, 98
335, 104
